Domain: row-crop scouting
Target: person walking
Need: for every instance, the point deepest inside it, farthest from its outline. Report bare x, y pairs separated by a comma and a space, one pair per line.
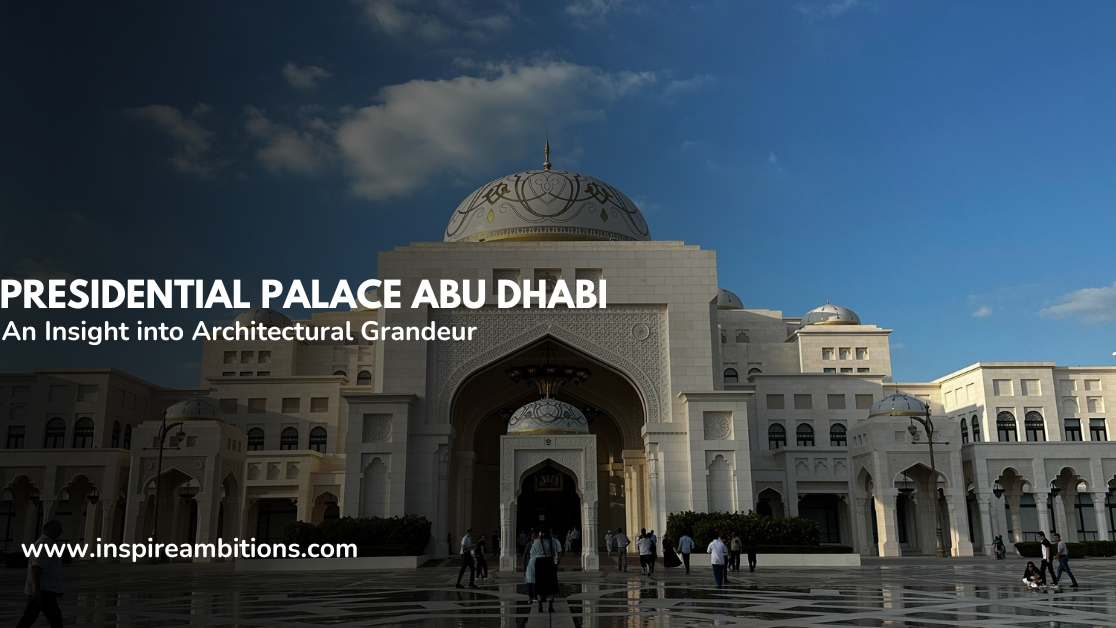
527, 552
467, 560
543, 568
750, 549
1047, 564
44, 581
643, 545
654, 549
686, 545
608, 542
998, 548
735, 547
1062, 556
670, 559
576, 540
569, 541
481, 561
718, 556
622, 544
521, 542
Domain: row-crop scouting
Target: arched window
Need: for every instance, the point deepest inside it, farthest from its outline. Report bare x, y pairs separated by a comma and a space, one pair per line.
753, 371
288, 439
742, 337
976, 429
964, 432
318, 439
83, 433
55, 434
341, 373
1035, 427
364, 378
128, 436
115, 434
731, 376
255, 439
1006, 428
838, 435
805, 435
776, 437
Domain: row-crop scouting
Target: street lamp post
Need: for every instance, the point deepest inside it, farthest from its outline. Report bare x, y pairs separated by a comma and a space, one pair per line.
928, 425
159, 471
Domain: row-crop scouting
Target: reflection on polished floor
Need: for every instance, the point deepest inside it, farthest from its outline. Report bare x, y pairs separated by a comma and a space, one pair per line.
903, 592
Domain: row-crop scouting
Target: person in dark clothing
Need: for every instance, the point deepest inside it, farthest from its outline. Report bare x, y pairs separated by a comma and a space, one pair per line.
1032, 577
750, 549
1047, 563
481, 561
467, 560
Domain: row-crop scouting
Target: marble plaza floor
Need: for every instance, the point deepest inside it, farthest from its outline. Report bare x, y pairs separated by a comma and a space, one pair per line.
896, 592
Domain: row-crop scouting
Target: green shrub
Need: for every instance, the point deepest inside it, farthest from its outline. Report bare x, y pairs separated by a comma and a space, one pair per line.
703, 527
1029, 549
1076, 550
1100, 548
804, 549
408, 535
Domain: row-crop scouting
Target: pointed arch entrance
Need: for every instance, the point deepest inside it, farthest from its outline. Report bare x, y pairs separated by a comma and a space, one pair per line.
476, 475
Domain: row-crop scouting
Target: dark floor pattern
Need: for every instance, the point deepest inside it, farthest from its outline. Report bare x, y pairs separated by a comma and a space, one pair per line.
883, 593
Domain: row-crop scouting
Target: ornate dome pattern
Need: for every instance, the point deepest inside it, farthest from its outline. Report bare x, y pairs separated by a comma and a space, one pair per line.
265, 317
546, 205
727, 300
898, 404
548, 416
829, 314
198, 408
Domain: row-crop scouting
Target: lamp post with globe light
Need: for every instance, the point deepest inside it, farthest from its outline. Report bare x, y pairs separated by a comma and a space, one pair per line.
899, 404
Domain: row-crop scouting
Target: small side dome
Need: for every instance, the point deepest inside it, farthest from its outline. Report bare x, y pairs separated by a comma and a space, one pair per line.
830, 314
265, 317
727, 300
196, 409
548, 416
898, 405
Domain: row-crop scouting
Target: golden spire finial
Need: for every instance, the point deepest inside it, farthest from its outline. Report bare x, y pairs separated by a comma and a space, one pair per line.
546, 152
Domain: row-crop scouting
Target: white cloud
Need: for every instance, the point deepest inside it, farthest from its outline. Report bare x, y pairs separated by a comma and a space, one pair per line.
284, 148
465, 125
814, 10
43, 269
304, 77
592, 10
433, 22
683, 86
983, 311
193, 140
773, 161
1091, 305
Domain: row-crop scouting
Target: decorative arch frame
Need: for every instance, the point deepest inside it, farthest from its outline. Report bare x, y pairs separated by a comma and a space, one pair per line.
630, 340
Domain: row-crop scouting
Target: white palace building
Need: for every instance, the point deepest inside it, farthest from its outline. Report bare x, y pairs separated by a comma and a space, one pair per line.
678, 396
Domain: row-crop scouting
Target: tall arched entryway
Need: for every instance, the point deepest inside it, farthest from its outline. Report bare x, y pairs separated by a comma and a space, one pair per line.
480, 412
548, 497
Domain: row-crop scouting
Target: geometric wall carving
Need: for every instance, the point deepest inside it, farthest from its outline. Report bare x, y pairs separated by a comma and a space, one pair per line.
377, 428
629, 338
717, 426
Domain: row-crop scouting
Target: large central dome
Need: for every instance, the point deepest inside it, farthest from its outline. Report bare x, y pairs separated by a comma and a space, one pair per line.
546, 205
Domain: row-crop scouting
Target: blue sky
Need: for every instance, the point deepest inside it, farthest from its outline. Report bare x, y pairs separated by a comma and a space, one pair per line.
945, 169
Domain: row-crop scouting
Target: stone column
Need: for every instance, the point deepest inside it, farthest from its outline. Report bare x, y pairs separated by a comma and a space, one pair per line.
1016, 517
590, 559
988, 532
108, 512
959, 525
885, 522
509, 547
1043, 513
1065, 526
862, 528
91, 521
1100, 511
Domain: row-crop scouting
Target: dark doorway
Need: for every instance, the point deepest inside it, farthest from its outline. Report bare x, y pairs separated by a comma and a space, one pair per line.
549, 497
274, 514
